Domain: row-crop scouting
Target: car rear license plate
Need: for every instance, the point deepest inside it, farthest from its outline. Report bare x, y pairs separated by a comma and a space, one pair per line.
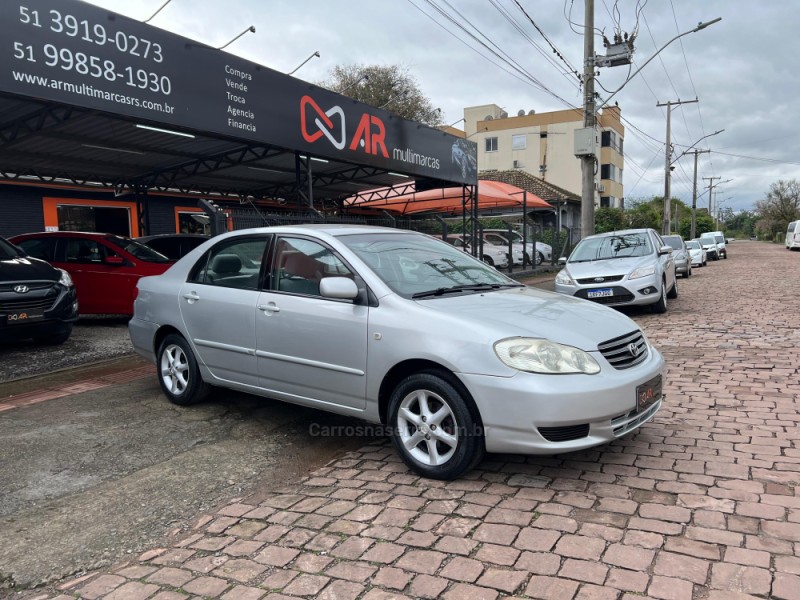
24, 316
603, 293
648, 393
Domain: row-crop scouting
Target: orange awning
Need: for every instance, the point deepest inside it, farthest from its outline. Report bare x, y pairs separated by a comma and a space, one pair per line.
491, 194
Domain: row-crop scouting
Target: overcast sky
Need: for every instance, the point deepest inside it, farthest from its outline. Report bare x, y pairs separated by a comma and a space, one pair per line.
743, 69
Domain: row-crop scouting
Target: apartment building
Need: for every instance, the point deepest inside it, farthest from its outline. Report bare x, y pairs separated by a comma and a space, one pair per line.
542, 144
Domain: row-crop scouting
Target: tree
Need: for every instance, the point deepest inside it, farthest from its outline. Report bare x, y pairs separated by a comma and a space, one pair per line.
741, 224
390, 87
779, 207
703, 221
609, 219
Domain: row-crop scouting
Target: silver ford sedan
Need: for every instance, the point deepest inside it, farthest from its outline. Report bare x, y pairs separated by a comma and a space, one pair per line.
450, 356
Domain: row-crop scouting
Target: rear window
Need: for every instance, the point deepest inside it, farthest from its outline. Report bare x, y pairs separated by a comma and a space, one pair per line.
674, 241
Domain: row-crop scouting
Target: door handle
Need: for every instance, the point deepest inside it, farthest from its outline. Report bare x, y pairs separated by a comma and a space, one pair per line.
192, 297
269, 308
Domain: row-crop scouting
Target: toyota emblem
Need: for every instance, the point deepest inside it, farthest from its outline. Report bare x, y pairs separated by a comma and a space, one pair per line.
633, 349
21, 289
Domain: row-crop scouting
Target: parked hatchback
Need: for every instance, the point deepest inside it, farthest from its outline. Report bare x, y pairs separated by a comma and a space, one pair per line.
697, 254
36, 300
104, 267
680, 254
398, 328
622, 268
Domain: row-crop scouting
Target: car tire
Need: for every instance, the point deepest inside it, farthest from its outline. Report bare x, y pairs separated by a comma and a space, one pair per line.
178, 373
539, 258
725, 256
435, 427
660, 306
56, 339
705, 263
488, 260
673, 293
688, 273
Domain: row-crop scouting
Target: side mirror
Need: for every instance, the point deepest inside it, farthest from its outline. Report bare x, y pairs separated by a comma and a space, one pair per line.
341, 288
114, 261
665, 250
562, 261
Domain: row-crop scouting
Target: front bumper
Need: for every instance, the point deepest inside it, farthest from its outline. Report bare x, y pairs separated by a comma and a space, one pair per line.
53, 320
633, 292
519, 411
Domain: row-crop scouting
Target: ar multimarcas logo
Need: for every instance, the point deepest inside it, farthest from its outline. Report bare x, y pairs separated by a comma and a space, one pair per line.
370, 135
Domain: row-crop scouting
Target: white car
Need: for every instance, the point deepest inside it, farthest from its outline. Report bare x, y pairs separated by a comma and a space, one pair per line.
495, 256
697, 253
448, 356
542, 253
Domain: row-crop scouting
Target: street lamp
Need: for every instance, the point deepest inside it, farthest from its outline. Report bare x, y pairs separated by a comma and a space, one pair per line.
694, 184
590, 110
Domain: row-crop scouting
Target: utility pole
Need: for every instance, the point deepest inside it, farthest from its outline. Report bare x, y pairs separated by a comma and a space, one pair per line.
694, 193
665, 227
589, 121
711, 187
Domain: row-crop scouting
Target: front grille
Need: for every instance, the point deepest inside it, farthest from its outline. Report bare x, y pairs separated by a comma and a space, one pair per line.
41, 303
620, 296
606, 279
618, 350
564, 434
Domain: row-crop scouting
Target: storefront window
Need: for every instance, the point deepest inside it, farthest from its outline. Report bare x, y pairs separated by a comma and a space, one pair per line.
193, 222
104, 219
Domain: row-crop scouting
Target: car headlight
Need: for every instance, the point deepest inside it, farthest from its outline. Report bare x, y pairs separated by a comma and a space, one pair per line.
543, 356
642, 272
563, 278
65, 280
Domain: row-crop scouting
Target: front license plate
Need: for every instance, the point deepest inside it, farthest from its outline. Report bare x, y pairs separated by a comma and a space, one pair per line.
648, 393
603, 293
24, 316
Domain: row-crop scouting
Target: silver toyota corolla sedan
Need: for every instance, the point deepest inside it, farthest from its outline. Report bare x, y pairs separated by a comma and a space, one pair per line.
398, 328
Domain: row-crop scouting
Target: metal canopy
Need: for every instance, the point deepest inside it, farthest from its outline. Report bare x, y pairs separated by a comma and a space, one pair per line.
53, 143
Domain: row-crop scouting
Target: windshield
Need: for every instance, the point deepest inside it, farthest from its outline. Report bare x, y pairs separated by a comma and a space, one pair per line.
672, 241
8, 251
720, 239
140, 251
693, 245
612, 246
411, 264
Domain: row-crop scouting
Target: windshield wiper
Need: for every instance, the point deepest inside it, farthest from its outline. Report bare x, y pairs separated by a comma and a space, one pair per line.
471, 287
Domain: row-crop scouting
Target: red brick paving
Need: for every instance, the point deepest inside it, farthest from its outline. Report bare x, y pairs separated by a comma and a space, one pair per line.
699, 503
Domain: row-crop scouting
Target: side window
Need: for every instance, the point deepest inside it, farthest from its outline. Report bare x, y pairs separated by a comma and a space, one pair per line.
234, 263
86, 251
44, 249
300, 265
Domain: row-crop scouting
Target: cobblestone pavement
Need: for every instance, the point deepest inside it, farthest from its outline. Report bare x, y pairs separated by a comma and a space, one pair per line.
699, 503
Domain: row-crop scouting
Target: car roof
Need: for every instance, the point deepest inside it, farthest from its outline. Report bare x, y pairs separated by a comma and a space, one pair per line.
83, 234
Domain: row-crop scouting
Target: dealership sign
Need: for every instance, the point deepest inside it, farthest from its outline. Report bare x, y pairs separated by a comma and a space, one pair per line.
75, 53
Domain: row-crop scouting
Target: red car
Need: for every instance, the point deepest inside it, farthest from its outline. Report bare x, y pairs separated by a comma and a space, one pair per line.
104, 267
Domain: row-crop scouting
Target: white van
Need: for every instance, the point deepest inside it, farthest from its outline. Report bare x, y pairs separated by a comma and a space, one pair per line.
793, 235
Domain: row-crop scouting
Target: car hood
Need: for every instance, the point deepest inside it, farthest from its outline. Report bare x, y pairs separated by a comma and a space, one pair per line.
611, 266
532, 312
25, 268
